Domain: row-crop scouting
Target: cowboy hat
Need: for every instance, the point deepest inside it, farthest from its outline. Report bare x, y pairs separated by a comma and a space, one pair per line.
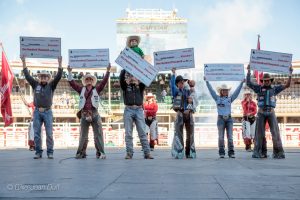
44, 72
149, 95
247, 92
223, 87
89, 76
266, 77
133, 37
179, 78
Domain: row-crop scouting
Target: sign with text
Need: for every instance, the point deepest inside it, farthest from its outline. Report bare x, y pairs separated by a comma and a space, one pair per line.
88, 58
138, 67
40, 47
179, 59
224, 72
268, 61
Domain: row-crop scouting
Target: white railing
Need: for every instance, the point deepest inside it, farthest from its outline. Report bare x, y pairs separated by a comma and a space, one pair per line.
67, 135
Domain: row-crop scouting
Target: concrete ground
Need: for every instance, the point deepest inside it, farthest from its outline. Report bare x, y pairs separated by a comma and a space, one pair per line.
206, 177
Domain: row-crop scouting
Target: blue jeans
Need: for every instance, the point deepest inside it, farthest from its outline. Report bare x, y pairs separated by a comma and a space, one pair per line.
38, 119
225, 124
135, 115
182, 120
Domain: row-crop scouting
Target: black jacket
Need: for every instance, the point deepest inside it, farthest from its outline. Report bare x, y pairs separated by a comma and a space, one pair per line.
133, 94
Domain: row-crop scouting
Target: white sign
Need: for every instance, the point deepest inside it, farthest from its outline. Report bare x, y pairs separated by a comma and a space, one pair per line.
138, 67
268, 61
88, 58
40, 47
179, 59
224, 72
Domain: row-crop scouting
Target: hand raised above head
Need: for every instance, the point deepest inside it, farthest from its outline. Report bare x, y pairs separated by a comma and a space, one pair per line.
59, 59
291, 69
108, 67
173, 70
69, 68
248, 67
23, 58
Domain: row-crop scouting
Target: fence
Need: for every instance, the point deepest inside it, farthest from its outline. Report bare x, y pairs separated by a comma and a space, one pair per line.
66, 135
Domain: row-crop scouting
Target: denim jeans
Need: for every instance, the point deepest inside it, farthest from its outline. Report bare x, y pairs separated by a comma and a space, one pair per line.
225, 124
136, 115
260, 146
182, 120
39, 118
84, 132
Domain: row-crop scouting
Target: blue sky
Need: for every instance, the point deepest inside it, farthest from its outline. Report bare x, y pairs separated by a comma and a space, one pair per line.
219, 30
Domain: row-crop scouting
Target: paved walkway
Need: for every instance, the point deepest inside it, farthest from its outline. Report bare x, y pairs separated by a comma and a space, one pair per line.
206, 177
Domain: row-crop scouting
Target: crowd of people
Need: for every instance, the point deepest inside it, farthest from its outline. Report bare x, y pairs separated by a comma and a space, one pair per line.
140, 111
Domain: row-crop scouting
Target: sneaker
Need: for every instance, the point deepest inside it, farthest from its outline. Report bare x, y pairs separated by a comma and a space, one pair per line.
151, 149
128, 156
231, 156
37, 156
50, 156
148, 156
222, 156
31, 149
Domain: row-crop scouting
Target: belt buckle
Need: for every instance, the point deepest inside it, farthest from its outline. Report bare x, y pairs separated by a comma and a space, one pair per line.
225, 117
42, 109
267, 109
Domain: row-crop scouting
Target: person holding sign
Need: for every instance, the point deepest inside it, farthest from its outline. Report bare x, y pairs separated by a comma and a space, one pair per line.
150, 110
133, 91
266, 100
225, 122
88, 106
249, 121
43, 97
184, 117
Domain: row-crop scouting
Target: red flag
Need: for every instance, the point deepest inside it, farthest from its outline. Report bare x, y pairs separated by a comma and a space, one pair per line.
258, 74
5, 90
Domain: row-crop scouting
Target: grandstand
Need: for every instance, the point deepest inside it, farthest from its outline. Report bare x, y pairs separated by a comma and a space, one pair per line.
111, 109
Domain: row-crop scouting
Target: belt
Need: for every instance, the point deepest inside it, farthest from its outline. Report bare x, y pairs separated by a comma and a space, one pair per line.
224, 116
41, 109
133, 106
267, 109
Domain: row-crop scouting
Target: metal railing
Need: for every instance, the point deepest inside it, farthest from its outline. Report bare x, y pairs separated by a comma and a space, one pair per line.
66, 135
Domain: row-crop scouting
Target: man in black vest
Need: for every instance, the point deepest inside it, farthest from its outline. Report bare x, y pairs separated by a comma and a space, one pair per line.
266, 101
133, 94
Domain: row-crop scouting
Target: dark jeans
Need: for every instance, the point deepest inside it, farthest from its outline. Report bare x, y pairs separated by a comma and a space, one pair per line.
260, 145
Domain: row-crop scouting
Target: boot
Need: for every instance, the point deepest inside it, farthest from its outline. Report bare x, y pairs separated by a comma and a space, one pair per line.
128, 156
148, 156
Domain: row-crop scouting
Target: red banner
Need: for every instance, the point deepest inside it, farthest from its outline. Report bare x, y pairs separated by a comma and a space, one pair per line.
7, 78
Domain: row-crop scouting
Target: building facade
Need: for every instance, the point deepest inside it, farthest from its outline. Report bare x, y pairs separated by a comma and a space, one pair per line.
159, 30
